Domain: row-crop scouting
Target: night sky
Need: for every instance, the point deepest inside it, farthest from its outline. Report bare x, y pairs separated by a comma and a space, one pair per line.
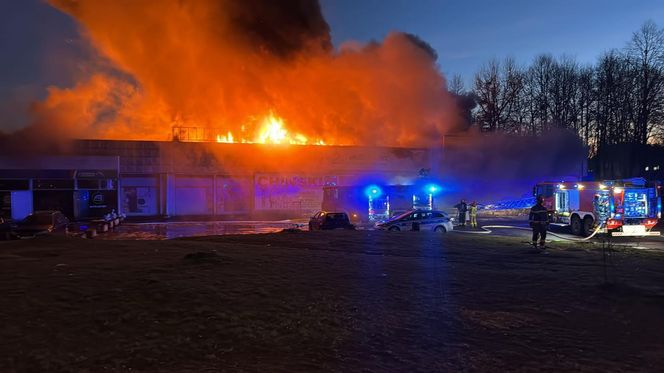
41, 46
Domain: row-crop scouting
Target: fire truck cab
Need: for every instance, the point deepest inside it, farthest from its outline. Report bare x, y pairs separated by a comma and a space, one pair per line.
629, 207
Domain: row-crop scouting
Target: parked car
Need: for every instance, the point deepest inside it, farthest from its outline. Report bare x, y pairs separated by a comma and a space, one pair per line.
6, 229
425, 220
42, 222
324, 220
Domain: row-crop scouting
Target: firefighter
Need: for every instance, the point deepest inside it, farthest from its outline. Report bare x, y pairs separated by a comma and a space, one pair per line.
539, 221
473, 214
462, 207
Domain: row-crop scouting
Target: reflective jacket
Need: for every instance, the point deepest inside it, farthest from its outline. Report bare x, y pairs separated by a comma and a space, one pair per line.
538, 215
473, 210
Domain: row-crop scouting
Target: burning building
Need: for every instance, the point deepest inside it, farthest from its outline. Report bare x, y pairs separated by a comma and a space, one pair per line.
247, 72
185, 179
221, 107
225, 108
155, 179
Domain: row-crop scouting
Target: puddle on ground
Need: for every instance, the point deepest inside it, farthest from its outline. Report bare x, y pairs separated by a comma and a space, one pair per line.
164, 231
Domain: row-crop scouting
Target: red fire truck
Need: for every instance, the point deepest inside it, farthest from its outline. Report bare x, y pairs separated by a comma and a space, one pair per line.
629, 207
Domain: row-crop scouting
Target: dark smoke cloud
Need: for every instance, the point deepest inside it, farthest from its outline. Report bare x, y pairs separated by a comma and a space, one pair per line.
416, 40
283, 27
491, 167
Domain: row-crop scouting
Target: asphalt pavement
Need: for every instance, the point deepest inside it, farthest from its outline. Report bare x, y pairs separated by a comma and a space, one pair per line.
498, 226
518, 227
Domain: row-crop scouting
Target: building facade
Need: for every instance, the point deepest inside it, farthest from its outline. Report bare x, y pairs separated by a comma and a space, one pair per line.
170, 179
79, 186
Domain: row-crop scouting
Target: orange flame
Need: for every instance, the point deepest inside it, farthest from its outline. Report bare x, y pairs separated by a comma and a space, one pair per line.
272, 131
227, 139
199, 66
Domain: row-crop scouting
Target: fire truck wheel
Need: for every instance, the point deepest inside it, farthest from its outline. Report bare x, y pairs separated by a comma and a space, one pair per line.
394, 229
587, 226
576, 225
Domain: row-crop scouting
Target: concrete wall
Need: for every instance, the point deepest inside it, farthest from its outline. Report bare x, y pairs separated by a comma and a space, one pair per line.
212, 179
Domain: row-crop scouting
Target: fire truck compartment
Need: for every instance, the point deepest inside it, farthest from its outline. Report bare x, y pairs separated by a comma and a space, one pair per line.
566, 201
636, 203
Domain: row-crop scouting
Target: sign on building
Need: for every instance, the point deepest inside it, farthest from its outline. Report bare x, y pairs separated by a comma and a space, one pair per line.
290, 192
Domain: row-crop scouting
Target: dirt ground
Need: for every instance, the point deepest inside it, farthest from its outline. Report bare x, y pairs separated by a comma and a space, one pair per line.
328, 301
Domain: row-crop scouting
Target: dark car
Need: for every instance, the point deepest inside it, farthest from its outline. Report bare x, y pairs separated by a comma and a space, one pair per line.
6, 229
42, 222
324, 220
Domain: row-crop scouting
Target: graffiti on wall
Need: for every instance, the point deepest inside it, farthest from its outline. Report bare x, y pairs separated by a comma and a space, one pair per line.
290, 192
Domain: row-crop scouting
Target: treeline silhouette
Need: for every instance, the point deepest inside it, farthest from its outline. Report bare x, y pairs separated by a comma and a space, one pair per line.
613, 105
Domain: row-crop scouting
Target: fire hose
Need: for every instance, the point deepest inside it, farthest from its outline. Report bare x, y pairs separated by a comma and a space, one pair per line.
486, 229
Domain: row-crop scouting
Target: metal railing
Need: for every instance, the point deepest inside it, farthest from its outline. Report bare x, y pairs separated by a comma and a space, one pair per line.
194, 134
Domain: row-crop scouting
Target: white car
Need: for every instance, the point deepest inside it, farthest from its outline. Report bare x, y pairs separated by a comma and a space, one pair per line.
437, 221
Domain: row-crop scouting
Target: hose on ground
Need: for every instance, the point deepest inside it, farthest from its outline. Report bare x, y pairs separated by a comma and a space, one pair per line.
486, 229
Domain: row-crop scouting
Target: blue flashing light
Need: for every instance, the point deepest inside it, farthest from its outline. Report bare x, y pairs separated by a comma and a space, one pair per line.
433, 188
373, 191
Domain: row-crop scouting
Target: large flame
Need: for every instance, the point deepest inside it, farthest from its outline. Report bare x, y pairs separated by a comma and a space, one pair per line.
255, 71
272, 130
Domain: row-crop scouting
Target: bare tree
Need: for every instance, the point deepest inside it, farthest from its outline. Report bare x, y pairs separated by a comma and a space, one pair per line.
497, 87
542, 71
464, 101
456, 86
563, 94
586, 105
646, 56
487, 90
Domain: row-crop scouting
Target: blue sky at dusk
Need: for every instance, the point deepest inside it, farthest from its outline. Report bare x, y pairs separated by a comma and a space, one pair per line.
468, 33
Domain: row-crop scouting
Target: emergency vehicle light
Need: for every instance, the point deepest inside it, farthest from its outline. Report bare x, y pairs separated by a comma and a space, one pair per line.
580, 186
617, 190
373, 191
602, 186
433, 188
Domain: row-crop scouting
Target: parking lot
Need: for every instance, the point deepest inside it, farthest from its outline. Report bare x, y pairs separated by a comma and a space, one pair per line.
170, 230
519, 228
497, 226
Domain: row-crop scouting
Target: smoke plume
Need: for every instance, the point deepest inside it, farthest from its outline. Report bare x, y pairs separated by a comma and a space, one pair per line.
226, 65
495, 167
